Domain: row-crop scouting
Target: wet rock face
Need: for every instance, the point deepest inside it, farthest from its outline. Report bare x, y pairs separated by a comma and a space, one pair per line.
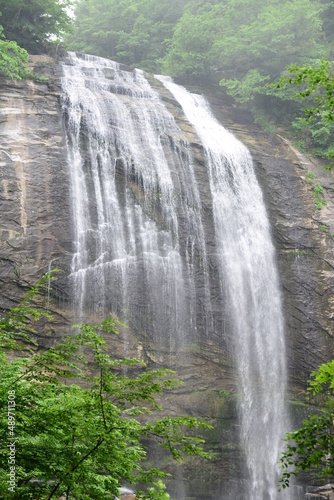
35, 205
321, 493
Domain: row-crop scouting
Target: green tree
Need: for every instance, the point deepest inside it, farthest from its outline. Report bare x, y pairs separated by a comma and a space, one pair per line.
80, 417
32, 23
312, 446
317, 85
316, 91
280, 33
236, 37
134, 32
193, 39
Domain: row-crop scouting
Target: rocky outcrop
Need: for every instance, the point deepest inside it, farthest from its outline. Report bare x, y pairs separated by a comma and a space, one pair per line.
35, 204
321, 493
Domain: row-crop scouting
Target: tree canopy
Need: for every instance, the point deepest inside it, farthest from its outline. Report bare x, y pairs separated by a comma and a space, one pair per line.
32, 23
316, 93
74, 420
134, 32
239, 36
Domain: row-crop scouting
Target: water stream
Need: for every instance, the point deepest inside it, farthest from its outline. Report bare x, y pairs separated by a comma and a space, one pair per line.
249, 269
143, 241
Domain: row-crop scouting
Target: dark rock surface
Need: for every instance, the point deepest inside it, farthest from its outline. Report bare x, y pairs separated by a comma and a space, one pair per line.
35, 205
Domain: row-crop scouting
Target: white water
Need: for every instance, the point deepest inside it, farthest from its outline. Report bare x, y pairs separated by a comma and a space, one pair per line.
142, 238
123, 149
248, 267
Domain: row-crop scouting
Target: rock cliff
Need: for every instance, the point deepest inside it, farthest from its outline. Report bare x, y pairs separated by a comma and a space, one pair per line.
37, 234
35, 205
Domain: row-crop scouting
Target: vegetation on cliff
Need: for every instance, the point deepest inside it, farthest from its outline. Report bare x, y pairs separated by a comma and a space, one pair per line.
13, 59
76, 422
311, 447
243, 44
316, 91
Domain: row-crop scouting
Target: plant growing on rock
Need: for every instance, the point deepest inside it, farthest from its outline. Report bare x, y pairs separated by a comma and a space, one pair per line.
320, 200
13, 59
310, 177
316, 83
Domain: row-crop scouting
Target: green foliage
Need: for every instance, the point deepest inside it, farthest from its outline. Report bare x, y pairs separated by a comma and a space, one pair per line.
320, 200
193, 39
17, 330
134, 32
312, 446
250, 86
310, 177
316, 136
13, 59
316, 84
31, 24
242, 36
318, 191
156, 493
81, 416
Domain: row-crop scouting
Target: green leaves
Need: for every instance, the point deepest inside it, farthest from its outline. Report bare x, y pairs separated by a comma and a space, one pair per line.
133, 32
316, 84
251, 85
243, 37
312, 446
322, 380
13, 60
17, 326
31, 24
83, 439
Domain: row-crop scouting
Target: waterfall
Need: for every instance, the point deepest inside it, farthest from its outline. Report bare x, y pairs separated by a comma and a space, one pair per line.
169, 258
124, 150
249, 270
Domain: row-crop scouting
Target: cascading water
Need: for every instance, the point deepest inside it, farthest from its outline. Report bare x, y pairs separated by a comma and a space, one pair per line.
124, 150
248, 267
142, 237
